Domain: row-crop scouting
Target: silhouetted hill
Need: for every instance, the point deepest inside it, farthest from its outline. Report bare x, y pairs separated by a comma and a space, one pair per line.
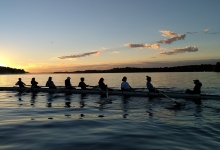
8, 70
188, 68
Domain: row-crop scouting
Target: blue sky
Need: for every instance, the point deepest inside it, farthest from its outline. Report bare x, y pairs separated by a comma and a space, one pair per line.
101, 34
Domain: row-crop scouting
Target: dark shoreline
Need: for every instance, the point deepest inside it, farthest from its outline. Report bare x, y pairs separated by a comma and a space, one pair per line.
190, 68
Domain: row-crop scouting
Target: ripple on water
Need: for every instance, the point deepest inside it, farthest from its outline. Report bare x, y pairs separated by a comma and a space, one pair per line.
132, 123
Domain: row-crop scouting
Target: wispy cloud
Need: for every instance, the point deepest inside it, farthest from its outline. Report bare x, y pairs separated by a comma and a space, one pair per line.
191, 32
141, 46
168, 33
180, 50
115, 52
173, 37
80, 55
206, 30
214, 33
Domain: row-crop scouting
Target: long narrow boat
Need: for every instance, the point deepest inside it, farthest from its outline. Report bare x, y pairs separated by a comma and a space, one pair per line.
115, 92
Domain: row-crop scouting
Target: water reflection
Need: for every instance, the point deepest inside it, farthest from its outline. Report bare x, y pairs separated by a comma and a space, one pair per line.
67, 104
125, 105
49, 100
82, 102
33, 98
198, 108
197, 101
49, 104
149, 107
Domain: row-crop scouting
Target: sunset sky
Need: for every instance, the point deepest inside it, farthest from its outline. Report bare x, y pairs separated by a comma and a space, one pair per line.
68, 35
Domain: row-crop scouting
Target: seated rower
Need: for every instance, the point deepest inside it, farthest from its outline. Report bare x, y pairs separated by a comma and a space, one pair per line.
34, 83
50, 83
197, 88
125, 85
20, 83
68, 85
82, 84
103, 86
150, 87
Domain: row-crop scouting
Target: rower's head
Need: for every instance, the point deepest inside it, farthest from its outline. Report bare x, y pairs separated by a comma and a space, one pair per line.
148, 78
124, 79
33, 79
68, 78
19, 79
82, 79
196, 81
50, 78
101, 79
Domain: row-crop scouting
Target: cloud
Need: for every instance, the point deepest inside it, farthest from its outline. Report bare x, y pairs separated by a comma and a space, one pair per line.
168, 33
206, 30
191, 32
180, 50
141, 46
173, 37
115, 52
214, 33
80, 55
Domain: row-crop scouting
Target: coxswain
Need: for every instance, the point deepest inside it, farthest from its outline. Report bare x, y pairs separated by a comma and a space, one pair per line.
197, 88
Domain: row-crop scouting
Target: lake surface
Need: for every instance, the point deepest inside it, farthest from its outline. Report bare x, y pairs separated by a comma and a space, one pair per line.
35, 121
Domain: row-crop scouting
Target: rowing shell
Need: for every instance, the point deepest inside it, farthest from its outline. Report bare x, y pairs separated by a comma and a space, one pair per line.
116, 92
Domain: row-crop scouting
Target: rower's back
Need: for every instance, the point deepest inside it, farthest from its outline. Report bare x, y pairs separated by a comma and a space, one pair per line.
197, 88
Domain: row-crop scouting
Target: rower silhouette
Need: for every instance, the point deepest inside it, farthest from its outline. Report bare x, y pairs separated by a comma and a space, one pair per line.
34, 83
50, 83
125, 85
103, 86
150, 87
197, 88
82, 84
68, 85
20, 83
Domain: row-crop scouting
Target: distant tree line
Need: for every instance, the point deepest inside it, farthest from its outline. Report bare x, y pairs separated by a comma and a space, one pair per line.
8, 70
217, 67
188, 68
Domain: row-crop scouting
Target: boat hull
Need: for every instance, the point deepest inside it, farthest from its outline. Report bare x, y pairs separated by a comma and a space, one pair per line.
115, 92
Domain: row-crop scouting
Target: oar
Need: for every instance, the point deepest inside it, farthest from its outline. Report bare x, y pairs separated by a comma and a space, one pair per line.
177, 104
61, 90
58, 90
107, 99
25, 91
142, 89
147, 88
94, 87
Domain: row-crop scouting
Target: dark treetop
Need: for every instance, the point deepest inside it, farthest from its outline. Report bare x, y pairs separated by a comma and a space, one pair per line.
189, 68
8, 70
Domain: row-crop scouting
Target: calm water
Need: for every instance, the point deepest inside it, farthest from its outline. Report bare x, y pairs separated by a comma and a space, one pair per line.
86, 122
